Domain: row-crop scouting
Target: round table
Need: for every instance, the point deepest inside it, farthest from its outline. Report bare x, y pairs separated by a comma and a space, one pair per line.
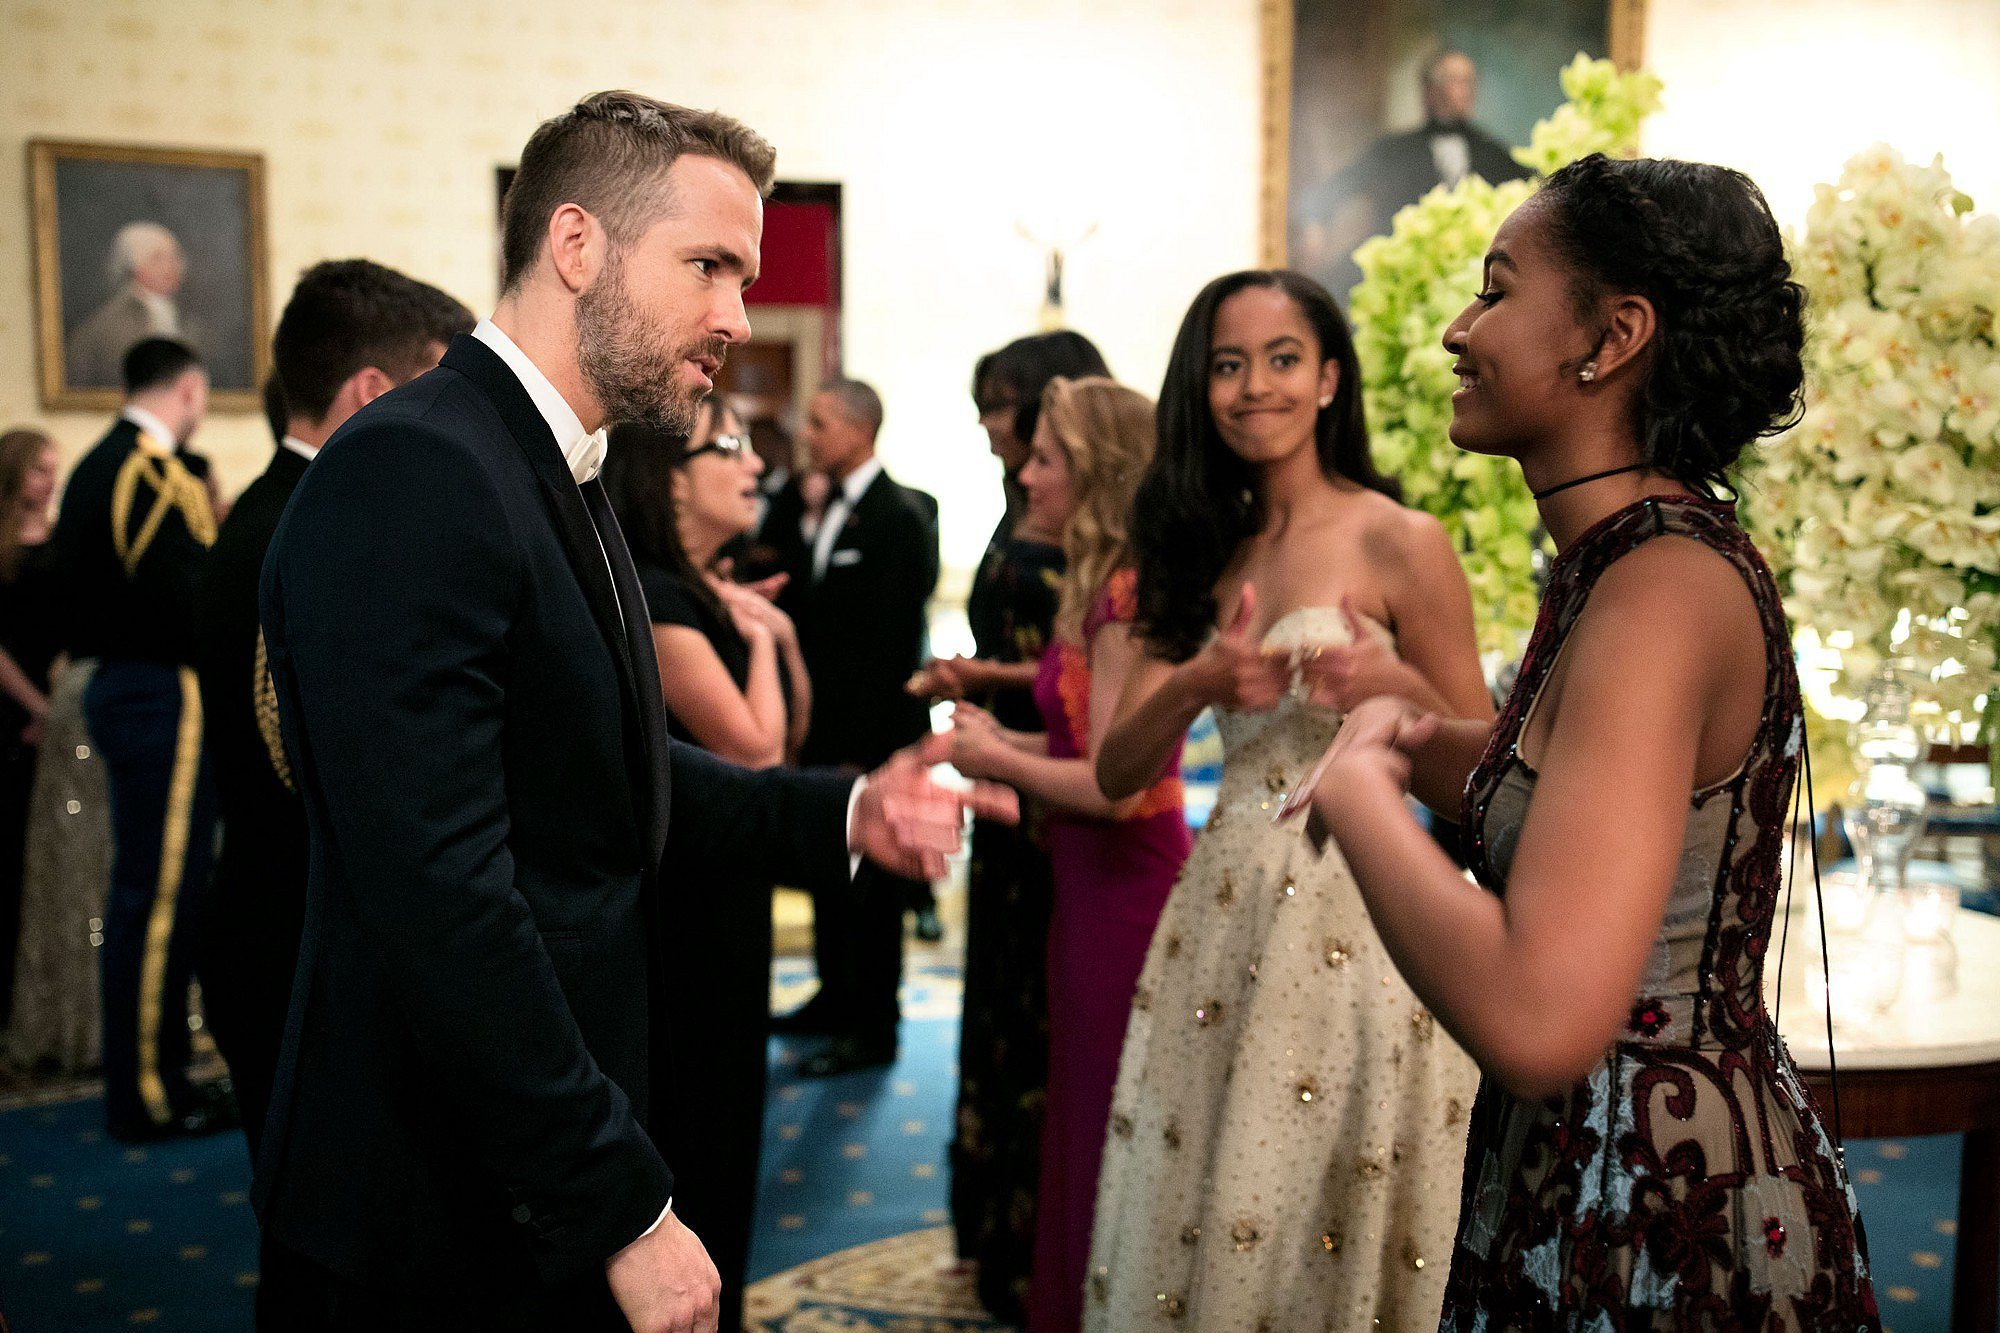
1931, 1066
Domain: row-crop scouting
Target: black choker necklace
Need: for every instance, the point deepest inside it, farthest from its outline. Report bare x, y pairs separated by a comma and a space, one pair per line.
1595, 476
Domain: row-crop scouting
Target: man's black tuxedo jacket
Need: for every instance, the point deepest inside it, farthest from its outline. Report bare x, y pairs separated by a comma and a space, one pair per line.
500, 832
266, 825
249, 943
1398, 169
861, 626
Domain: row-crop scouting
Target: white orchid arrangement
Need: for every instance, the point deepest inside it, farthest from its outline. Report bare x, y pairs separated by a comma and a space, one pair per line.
1880, 510
1414, 282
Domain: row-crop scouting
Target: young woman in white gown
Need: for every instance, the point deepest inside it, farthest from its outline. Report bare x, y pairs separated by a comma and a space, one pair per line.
1288, 1126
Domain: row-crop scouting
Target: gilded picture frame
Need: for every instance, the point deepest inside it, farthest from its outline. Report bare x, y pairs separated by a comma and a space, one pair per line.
131, 241
1625, 28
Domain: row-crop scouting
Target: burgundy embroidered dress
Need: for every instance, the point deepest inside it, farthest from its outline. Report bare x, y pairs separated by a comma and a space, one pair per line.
1688, 1181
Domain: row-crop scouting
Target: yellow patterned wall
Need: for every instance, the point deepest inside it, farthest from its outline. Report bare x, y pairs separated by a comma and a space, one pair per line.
948, 121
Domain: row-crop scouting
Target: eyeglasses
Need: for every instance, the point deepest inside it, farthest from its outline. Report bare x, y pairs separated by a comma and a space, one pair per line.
731, 447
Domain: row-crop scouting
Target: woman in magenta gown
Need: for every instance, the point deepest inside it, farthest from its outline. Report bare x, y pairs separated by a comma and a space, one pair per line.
1114, 861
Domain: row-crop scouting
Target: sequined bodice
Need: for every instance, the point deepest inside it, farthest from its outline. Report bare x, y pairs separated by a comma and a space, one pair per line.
1264, 753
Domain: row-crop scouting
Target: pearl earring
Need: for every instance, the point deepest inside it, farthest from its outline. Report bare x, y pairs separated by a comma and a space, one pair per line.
1588, 373
1326, 401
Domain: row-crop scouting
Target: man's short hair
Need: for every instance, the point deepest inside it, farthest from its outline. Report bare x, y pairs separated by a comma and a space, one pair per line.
859, 403
276, 415
610, 154
152, 363
347, 314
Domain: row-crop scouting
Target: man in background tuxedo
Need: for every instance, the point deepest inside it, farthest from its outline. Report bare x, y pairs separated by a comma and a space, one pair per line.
130, 542
859, 584
500, 826
351, 331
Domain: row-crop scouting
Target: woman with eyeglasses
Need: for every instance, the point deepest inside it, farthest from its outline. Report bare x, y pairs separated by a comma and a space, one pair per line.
734, 684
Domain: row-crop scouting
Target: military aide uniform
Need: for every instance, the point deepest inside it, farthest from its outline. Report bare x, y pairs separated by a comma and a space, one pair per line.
131, 539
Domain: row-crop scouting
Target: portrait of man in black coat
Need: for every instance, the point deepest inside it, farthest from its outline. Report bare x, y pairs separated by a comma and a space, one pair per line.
1362, 198
500, 827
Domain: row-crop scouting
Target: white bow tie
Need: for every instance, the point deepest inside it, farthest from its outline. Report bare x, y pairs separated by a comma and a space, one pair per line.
586, 456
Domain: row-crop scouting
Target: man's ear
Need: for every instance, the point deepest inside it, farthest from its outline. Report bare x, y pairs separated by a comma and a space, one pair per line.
358, 390
368, 384
577, 246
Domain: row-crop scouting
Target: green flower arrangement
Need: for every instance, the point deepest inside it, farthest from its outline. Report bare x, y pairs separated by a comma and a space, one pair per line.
1414, 282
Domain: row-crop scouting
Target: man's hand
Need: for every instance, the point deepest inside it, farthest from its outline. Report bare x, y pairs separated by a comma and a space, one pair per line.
908, 824
664, 1282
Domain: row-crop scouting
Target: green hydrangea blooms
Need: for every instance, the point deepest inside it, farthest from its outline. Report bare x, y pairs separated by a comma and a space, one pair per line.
1414, 282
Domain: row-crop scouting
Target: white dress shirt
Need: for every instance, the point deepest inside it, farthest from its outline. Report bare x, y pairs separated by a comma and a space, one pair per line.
838, 507
154, 437
583, 451
161, 311
1451, 155
299, 447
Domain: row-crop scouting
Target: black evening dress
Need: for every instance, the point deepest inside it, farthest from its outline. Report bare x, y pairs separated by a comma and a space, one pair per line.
1003, 1041
1688, 1181
708, 1116
29, 633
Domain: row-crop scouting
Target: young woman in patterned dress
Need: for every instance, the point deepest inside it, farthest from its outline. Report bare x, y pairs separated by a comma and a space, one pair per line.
1643, 1153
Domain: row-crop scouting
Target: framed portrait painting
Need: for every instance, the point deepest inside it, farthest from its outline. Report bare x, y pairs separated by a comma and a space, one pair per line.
135, 242
1369, 104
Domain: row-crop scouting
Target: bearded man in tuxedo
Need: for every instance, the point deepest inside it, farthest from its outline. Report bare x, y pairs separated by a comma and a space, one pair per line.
500, 826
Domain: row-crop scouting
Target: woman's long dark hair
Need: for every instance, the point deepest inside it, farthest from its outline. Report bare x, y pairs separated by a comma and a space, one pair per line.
1197, 503
1023, 369
638, 478
1025, 366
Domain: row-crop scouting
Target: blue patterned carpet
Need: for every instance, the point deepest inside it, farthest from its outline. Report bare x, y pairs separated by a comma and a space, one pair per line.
95, 1236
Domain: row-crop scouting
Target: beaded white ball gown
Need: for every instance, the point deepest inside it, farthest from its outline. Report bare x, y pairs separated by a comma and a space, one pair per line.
1289, 1123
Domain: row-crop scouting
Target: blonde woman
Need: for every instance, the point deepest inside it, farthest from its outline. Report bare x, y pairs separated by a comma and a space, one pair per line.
1114, 861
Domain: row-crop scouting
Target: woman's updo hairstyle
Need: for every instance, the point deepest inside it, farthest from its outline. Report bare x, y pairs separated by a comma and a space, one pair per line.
1699, 242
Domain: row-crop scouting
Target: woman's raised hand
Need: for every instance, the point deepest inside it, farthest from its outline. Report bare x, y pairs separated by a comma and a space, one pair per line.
975, 739
1233, 671
1344, 677
947, 678
752, 615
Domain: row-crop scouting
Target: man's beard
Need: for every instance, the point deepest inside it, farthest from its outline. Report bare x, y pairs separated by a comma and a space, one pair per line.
633, 366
